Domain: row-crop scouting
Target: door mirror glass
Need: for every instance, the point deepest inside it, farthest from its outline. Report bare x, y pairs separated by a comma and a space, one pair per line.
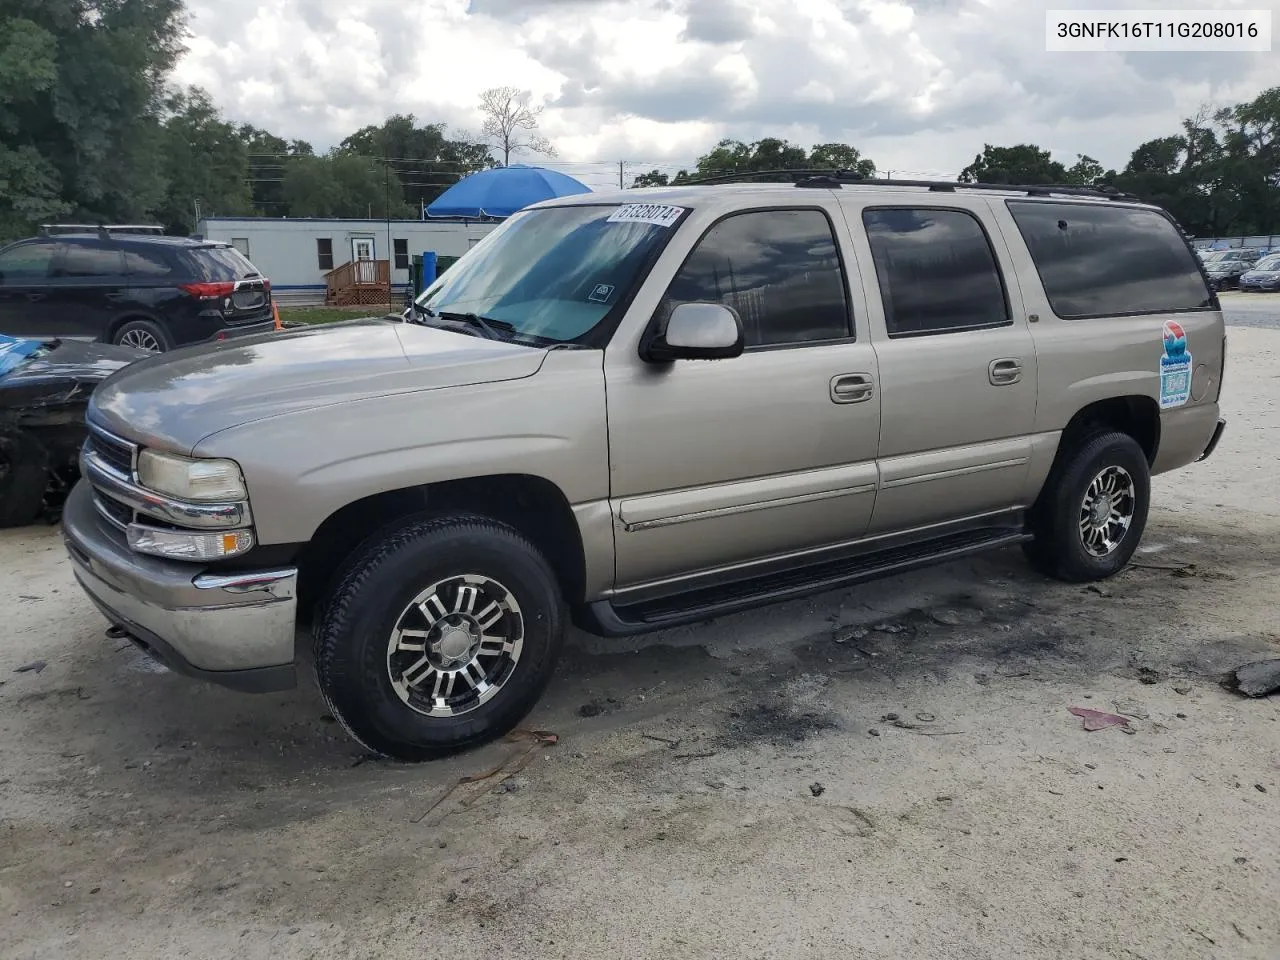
698, 331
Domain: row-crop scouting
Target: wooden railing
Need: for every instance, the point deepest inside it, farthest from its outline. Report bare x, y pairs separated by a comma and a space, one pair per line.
358, 282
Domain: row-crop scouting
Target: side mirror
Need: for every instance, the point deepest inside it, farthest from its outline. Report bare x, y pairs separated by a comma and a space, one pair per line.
698, 331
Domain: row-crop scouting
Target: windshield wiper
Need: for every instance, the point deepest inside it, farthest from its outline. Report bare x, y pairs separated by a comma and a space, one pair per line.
486, 325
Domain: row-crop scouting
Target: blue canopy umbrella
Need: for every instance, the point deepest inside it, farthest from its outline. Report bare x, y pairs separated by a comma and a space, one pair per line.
502, 191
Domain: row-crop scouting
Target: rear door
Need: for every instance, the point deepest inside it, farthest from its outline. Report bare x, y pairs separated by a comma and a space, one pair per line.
87, 287
957, 363
24, 288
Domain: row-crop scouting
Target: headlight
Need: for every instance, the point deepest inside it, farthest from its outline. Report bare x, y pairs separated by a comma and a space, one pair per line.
187, 545
197, 480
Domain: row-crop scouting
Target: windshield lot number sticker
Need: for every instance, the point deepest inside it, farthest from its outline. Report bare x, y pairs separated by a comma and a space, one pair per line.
1175, 367
601, 293
656, 213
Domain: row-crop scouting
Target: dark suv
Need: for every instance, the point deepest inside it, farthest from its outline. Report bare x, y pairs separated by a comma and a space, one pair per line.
145, 291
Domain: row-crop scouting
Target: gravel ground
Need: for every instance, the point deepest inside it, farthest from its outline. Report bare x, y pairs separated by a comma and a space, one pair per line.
889, 772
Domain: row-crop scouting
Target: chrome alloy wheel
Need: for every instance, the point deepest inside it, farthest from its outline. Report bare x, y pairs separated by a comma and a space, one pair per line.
455, 645
141, 340
1106, 512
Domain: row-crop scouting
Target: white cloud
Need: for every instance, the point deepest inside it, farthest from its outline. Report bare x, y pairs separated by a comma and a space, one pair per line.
918, 85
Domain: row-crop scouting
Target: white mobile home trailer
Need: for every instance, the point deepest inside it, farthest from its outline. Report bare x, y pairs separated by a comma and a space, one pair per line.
296, 253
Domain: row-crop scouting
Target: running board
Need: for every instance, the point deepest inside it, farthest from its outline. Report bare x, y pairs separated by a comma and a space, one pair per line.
610, 619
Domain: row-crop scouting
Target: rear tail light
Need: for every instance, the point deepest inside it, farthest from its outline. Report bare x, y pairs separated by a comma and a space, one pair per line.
209, 291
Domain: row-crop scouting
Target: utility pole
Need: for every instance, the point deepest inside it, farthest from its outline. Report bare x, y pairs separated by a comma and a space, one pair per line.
391, 257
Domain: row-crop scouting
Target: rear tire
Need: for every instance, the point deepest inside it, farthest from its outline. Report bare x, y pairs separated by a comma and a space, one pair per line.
1092, 512
141, 335
24, 477
457, 596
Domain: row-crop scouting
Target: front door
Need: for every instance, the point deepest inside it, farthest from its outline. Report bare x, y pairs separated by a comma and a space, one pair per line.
24, 290
772, 453
957, 366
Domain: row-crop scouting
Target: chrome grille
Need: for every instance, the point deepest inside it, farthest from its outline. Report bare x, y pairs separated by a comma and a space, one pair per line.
116, 513
116, 453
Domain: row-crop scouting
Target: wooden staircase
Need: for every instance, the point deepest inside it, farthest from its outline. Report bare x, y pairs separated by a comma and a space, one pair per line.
358, 283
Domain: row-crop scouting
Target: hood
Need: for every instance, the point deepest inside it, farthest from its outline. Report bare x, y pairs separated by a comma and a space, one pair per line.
72, 361
175, 400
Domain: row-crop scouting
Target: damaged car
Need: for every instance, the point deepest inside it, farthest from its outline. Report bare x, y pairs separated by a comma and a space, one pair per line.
44, 388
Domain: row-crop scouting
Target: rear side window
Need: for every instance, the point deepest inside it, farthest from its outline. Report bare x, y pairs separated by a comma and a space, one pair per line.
777, 268
147, 264
79, 261
220, 263
936, 269
1096, 260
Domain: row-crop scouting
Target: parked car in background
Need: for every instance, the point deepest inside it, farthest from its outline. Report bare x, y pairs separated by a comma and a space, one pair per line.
640, 409
145, 291
1224, 267
44, 388
1263, 275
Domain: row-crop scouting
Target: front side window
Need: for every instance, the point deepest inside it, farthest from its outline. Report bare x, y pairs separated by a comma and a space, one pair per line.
28, 263
777, 268
936, 269
1099, 260
551, 274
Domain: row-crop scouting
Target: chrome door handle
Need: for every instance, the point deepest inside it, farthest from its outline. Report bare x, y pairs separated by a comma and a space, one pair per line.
852, 388
1003, 372
35, 297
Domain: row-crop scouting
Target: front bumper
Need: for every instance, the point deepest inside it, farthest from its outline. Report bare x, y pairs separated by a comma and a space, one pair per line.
235, 630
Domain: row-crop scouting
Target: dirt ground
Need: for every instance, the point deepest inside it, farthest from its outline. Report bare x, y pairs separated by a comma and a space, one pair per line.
738, 789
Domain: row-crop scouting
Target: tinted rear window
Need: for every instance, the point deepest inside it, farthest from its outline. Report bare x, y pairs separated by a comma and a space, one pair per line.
220, 263
1097, 260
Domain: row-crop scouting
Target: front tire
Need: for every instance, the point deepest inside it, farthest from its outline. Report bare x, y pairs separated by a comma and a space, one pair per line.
1093, 510
440, 636
24, 478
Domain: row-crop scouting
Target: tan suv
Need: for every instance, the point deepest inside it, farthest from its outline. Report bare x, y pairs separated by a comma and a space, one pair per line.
641, 409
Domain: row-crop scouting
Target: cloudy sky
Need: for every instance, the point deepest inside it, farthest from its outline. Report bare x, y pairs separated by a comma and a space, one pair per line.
917, 85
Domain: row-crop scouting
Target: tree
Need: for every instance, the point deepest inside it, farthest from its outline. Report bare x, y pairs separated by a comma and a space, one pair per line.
204, 159
1023, 163
510, 123
269, 157
343, 185
81, 91
841, 156
733, 156
654, 178
1086, 172
427, 161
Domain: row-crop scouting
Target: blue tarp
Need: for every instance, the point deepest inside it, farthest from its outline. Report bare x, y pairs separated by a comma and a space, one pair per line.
13, 351
502, 191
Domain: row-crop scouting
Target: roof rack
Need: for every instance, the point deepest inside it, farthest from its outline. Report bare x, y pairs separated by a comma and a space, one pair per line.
835, 179
102, 229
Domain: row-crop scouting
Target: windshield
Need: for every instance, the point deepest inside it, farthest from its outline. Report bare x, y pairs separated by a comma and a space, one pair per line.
1268, 263
551, 275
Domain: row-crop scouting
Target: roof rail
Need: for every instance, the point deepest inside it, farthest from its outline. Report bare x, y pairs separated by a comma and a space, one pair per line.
103, 229
835, 179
